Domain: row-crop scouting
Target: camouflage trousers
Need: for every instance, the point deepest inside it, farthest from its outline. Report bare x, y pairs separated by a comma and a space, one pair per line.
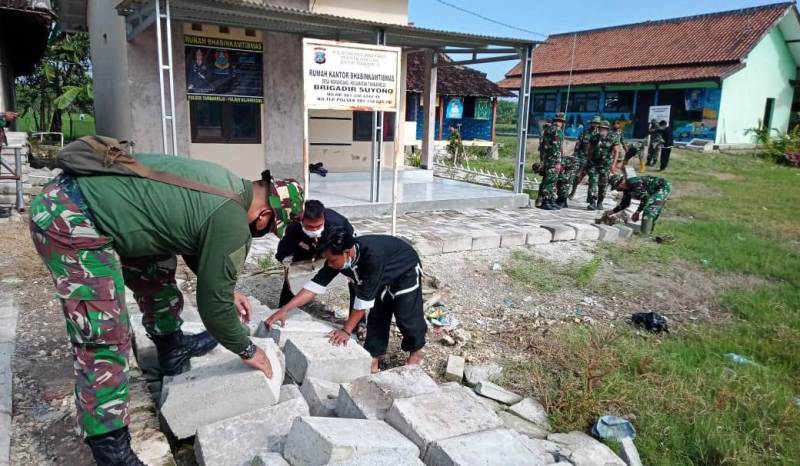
655, 203
570, 165
90, 280
550, 179
598, 180
579, 172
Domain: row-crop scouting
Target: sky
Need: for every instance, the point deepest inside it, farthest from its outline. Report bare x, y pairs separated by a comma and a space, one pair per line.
555, 16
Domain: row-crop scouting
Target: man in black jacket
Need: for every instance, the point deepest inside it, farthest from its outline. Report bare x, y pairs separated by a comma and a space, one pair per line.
666, 134
300, 242
386, 274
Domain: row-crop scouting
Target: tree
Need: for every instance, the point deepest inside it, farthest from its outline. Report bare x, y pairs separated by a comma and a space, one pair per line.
61, 84
507, 111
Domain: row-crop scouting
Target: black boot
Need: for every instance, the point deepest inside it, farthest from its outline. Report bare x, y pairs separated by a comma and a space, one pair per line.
547, 204
175, 350
599, 204
114, 449
592, 204
562, 202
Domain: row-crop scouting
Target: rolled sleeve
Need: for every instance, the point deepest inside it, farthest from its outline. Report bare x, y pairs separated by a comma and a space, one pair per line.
315, 287
363, 305
323, 278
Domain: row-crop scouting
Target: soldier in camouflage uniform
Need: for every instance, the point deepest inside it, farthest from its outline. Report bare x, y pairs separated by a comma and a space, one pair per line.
99, 234
651, 192
551, 149
602, 160
656, 143
581, 156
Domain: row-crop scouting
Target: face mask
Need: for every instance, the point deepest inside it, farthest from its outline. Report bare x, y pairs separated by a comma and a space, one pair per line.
255, 232
348, 264
313, 233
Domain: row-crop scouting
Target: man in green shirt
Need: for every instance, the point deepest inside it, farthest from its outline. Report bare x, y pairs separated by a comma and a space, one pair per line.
98, 234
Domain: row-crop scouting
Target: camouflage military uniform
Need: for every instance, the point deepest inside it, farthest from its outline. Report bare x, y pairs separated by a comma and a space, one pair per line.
553, 140
656, 143
574, 170
652, 193
599, 166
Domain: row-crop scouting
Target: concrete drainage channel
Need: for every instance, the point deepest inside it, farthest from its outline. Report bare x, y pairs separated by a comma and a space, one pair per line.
323, 407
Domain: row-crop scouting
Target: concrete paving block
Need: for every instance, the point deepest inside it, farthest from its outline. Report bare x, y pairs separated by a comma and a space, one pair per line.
584, 231
625, 232
497, 393
634, 226
607, 233
428, 246
475, 373
456, 241
539, 236
298, 329
378, 460
586, 451
532, 411
629, 452
202, 395
455, 368
547, 447
560, 231
316, 357
321, 396
236, 440
288, 392
145, 350
267, 459
500, 447
510, 238
260, 330
485, 239
522, 426
323, 440
370, 397
452, 412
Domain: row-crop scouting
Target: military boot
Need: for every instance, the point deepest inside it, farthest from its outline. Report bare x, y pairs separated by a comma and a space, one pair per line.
114, 449
175, 350
561, 202
592, 204
547, 204
599, 205
647, 227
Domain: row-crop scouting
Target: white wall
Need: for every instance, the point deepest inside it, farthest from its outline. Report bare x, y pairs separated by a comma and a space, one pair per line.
767, 74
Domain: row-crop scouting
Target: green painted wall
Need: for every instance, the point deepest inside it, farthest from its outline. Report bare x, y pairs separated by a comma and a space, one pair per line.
769, 68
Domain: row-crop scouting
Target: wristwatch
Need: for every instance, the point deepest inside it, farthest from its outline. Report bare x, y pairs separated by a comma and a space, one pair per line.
249, 352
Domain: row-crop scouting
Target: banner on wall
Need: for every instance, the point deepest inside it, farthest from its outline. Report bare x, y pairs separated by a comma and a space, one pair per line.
455, 108
483, 109
348, 76
694, 99
223, 70
659, 113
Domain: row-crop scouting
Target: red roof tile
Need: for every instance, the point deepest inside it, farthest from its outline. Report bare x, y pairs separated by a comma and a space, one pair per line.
451, 80
705, 46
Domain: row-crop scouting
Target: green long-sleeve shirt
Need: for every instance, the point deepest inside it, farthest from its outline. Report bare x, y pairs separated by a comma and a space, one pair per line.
148, 218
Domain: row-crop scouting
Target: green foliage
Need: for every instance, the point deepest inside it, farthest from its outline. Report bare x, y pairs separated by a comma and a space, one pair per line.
777, 147
507, 112
546, 276
414, 159
267, 263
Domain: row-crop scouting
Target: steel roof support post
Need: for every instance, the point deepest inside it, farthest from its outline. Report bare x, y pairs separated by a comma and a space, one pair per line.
165, 116
377, 143
429, 110
523, 112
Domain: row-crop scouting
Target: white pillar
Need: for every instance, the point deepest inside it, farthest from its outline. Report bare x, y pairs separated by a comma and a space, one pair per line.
429, 110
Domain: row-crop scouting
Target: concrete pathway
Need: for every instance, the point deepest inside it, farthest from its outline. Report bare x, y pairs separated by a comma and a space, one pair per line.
8, 331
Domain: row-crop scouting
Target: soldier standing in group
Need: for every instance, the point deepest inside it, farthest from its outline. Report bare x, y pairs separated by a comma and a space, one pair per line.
617, 135
602, 160
547, 124
652, 193
582, 155
656, 143
551, 149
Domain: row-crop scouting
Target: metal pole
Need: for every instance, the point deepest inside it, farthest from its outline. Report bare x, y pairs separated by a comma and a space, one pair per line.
159, 45
18, 169
171, 79
399, 149
571, 67
523, 112
377, 142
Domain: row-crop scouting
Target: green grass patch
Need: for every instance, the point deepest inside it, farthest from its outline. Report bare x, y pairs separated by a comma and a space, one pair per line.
79, 129
543, 275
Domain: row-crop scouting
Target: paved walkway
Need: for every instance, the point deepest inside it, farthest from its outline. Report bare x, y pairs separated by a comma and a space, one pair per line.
8, 330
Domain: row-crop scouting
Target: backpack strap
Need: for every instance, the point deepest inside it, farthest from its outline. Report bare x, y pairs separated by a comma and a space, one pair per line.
114, 151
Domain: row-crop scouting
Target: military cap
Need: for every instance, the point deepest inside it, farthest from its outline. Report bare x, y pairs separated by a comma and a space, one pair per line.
604, 124
285, 198
596, 120
559, 117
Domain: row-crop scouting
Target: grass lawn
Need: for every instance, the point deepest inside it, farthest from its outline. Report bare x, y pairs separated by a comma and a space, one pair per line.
506, 163
80, 128
730, 215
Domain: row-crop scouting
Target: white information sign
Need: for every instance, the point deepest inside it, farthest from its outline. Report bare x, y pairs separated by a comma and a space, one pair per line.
659, 113
348, 76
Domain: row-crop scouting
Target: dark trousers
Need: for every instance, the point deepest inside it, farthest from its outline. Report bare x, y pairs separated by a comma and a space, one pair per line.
665, 157
406, 307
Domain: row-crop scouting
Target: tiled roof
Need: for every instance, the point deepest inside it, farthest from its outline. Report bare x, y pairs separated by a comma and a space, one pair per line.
451, 80
680, 49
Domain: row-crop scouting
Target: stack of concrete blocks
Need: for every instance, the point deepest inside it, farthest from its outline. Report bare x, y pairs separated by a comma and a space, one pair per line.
8, 188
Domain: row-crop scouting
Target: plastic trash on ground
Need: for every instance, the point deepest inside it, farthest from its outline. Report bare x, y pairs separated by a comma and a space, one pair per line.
613, 427
651, 321
438, 316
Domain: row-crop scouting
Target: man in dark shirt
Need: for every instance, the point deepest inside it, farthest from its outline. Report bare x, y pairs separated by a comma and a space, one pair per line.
301, 240
666, 135
386, 275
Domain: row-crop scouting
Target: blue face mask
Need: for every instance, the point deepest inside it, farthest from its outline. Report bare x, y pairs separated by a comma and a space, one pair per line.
348, 264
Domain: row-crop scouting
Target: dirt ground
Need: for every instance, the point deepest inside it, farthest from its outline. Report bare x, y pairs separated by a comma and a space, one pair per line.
486, 306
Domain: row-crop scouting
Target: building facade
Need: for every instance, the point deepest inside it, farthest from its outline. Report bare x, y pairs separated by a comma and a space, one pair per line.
721, 74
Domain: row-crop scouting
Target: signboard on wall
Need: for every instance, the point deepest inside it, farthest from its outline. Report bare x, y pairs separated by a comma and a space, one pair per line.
483, 109
455, 108
223, 70
659, 113
348, 76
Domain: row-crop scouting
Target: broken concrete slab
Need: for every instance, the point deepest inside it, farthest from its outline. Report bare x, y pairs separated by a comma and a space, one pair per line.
532, 411
584, 231
586, 451
315, 356
267, 459
560, 231
475, 373
202, 395
522, 426
321, 396
500, 447
298, 329
260, 330
378, 460
539, 236
455, 368
629, 452
625, 232
370, 397
316, 441
288, 392
497, 393
558, 452
634, 226
436, 416
236, 440
607, 233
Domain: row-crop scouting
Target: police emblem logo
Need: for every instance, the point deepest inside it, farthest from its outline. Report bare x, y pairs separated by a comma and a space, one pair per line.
319, 55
